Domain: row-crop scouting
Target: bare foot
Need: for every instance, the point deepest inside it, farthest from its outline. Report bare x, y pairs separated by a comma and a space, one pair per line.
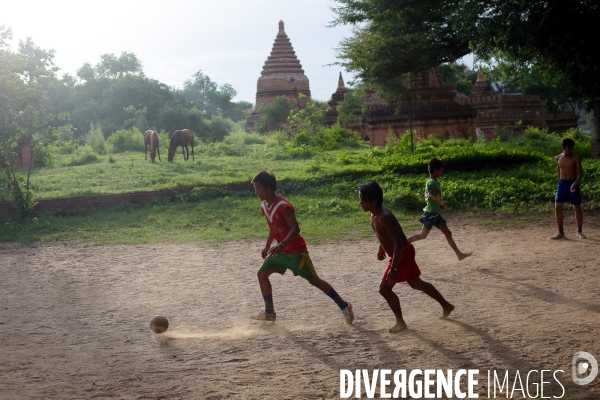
462, 256
447, 311
399, 327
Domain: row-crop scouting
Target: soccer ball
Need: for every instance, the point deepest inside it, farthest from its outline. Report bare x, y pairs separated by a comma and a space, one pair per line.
159, 324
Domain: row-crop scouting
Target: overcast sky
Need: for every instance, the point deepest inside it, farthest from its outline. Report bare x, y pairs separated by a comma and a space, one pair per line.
229, 40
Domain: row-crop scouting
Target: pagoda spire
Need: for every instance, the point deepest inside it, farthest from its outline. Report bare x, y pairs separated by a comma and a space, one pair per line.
341, 85
283, 57
481, 87
281, 75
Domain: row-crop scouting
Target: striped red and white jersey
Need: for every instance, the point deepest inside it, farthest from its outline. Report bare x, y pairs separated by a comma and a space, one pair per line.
278, 225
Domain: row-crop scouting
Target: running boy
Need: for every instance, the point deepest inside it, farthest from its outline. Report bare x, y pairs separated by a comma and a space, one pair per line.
569, 176
401, 266
432, 216
290, 252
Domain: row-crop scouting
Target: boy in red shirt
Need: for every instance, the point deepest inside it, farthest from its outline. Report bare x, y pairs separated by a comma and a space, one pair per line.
290, 252
402, 266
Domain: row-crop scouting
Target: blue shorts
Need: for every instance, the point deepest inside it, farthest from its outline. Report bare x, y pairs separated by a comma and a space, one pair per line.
563, 192
429, 220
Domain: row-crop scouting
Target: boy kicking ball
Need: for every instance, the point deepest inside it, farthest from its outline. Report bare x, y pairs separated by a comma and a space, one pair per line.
401, 266
290, 252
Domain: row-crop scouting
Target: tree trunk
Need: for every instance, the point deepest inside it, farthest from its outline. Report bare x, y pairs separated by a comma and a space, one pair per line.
410, 130
595, 134
28, 175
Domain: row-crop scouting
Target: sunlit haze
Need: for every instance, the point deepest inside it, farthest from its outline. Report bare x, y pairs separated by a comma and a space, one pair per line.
228, 40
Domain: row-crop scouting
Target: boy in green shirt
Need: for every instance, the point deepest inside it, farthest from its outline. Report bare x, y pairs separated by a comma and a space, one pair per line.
432, 216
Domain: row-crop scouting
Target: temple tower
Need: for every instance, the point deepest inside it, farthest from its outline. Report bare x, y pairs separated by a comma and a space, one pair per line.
481, 87
332, 114
282, 75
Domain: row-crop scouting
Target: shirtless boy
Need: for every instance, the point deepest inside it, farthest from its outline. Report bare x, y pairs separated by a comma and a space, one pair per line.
401, 266
290, 251
569, 176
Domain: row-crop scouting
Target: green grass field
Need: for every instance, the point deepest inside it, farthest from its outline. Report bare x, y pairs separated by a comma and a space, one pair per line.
511, 177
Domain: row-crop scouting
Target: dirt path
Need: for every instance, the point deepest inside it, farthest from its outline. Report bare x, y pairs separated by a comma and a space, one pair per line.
74, 320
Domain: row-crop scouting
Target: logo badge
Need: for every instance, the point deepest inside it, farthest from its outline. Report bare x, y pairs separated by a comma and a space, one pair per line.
581, 368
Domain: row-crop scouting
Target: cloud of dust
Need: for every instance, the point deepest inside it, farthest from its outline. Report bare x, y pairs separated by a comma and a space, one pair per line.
233, 333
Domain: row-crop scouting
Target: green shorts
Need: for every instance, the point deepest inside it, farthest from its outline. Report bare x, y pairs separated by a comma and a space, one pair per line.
298, 263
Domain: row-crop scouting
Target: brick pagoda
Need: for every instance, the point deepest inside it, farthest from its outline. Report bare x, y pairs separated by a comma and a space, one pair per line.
282, 75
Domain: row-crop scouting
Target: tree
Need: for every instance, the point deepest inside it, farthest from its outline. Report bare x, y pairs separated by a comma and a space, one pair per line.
39, 61
273, 115
112, 67
506, 74
308, 118
393, 37
204, 94
553, 87
351, 109
200, 92
22, 109
460, 75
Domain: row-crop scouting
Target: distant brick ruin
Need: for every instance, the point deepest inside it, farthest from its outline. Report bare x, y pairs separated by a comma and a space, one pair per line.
282, 75
440, 108
23, 153
435, 112
500, 110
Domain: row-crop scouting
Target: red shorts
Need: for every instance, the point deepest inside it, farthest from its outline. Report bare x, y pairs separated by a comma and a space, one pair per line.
407, 267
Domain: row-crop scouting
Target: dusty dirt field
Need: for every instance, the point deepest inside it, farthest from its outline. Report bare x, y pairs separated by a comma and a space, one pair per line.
74, 320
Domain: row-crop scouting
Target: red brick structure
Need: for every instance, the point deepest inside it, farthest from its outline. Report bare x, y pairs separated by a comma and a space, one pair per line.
435, 112
24, 155
505, 110
282, 75
443, 111
332, 114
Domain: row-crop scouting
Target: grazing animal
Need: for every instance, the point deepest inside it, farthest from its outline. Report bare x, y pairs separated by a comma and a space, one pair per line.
181, 138
151, 138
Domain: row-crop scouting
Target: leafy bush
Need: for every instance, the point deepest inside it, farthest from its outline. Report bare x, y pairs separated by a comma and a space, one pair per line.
95, 139
394, 143
241, 138
221, 148
45, 156
429, 143
533, 133
126, 140
336, 137
67, 147
455, 158
302, 138
23, 199
276, 139
219, 127
344, 158
505, 132
83, 155
302, 151
332, 138
273, 115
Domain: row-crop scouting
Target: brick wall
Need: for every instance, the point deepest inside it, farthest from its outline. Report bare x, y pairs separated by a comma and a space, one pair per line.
74, 205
